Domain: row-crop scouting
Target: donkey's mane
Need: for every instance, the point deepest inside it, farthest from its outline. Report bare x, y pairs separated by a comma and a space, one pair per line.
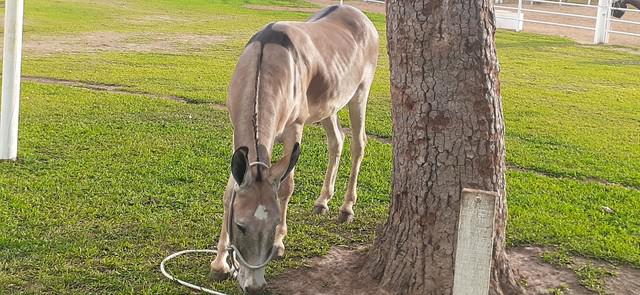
266, 36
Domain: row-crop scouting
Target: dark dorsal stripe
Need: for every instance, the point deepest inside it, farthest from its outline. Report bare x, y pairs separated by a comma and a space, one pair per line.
266, 36
329, 10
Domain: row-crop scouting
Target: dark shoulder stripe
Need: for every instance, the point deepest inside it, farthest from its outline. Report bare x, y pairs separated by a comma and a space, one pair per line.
270, 36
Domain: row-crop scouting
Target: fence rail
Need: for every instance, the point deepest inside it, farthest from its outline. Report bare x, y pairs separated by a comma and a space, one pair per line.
601, 14
549, 23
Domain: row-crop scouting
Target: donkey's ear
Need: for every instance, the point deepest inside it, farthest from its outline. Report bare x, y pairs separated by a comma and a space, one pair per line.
240, 165
281, 170
295, 154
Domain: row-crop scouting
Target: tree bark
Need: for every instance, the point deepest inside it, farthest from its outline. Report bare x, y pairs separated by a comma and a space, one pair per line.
448, 134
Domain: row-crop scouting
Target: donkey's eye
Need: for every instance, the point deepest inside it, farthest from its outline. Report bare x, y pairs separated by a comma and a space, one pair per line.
241, 227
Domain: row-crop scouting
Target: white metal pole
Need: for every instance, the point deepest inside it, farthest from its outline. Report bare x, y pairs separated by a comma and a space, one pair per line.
607, 21
602, 20
520, 17
11, 63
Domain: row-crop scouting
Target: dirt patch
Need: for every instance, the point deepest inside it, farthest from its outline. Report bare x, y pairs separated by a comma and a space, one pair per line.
540, 277
631, 50
339, 273
156, 19
282, 8
118, 42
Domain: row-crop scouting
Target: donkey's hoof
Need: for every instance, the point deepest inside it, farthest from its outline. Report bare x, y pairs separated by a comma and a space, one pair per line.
219, 272
279, 253
319, 209
345, 217
219, 276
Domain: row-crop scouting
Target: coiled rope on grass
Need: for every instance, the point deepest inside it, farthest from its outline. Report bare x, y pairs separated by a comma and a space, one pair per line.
168, 274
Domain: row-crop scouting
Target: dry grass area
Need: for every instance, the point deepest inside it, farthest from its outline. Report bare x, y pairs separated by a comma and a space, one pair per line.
281, 8
119, 42
366, 6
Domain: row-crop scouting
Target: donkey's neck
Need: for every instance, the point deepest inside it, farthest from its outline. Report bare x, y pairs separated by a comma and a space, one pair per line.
257, 131
261, 92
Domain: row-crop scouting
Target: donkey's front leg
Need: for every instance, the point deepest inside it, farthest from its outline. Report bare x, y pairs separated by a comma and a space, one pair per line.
219, 269
284, 194
291, 138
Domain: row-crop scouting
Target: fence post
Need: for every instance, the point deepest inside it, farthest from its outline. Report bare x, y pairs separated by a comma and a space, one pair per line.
520, 17
602, 22
11, 63
474, 247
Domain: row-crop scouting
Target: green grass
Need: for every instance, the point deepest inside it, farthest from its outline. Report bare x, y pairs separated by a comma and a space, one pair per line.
559, 290
109, 184
568, 213
569, 108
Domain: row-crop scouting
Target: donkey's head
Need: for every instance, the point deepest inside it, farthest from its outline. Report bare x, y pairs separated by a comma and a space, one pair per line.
254, 214
618, 4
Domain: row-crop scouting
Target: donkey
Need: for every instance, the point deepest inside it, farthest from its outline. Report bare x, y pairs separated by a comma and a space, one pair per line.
290, 74
617, 13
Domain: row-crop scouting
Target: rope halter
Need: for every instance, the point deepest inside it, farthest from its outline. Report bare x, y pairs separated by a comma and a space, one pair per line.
235, 256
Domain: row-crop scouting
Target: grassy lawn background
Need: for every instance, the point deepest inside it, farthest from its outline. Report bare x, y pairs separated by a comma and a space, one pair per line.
109, 184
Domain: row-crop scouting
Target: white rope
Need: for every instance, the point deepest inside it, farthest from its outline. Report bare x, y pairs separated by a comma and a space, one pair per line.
259, 163
181, 282
235, 254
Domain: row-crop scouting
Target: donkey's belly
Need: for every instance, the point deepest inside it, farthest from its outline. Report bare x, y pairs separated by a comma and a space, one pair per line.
319, 112
326, 99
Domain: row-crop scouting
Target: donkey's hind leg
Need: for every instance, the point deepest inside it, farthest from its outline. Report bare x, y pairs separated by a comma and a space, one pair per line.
357, 111
335, 140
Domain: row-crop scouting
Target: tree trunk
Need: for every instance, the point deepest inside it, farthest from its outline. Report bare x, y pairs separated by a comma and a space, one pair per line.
448, 134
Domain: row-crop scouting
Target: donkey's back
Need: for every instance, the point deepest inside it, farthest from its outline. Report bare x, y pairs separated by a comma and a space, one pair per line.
340, 49
310, 69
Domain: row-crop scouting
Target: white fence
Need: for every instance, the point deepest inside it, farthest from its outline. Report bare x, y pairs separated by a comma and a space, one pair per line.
511, 17
11, 66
